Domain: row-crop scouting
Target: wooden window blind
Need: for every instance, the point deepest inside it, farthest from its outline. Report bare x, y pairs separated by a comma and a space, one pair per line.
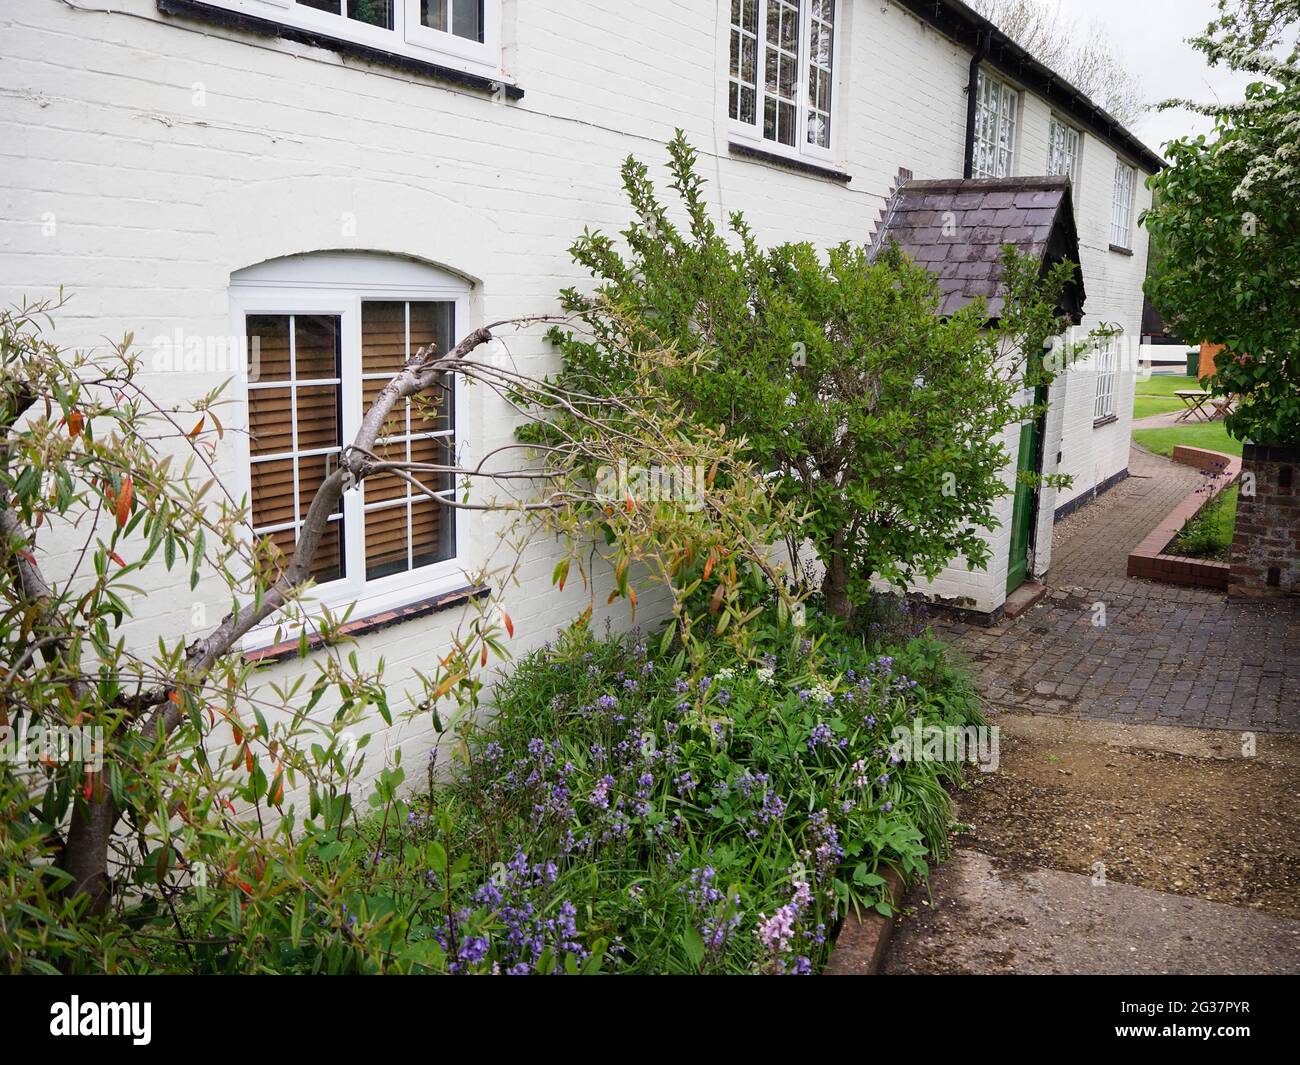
404, 528
295, 426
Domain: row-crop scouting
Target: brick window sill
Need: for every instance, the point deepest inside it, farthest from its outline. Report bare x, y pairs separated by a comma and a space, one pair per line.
1108, 420
1120, 250
384, 619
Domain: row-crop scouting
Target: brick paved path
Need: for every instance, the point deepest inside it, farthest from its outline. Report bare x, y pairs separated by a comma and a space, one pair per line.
1102, 646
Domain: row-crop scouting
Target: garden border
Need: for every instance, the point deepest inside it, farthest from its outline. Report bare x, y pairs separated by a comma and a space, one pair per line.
1149, 560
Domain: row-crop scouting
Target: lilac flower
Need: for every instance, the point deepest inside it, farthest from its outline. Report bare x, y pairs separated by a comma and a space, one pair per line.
599, 797
777, 934
773, 808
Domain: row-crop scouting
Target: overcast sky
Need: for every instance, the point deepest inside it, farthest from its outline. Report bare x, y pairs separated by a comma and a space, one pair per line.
1151, 36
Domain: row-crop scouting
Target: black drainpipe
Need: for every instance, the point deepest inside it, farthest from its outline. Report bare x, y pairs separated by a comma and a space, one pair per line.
972, 98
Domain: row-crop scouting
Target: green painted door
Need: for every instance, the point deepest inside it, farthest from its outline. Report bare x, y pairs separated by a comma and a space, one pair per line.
1022, 512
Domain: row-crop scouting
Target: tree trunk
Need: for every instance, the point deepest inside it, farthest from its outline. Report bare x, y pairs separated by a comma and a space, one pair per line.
85, 854
835, 583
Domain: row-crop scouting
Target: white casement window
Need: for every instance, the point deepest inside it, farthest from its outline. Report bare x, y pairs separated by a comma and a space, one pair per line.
461, 33
325, 333
996, 104
1121, 212
1107, 356
782, 73
1063, 151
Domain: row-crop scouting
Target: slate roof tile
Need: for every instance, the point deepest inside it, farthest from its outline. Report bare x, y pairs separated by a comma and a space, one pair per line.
957, 229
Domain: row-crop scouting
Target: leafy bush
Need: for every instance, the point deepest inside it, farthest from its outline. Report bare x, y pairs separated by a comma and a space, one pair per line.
882, 418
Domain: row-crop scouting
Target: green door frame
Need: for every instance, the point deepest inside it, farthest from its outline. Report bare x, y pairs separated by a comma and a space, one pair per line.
1024, 510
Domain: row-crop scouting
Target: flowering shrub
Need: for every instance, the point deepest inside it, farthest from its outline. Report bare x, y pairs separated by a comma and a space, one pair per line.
721, 821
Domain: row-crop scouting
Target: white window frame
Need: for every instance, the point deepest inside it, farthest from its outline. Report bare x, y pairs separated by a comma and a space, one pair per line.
406, 38
1107, 369
337, 285
1121, 209
1072, 145
988, 124
750, 134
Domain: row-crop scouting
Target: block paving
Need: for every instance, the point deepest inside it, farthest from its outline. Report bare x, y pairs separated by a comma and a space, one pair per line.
1106, 647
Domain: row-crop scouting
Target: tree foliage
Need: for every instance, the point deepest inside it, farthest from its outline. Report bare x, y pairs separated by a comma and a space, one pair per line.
203, 794
1226, 215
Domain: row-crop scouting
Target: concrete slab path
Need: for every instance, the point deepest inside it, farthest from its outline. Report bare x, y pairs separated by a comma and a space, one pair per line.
1043, 921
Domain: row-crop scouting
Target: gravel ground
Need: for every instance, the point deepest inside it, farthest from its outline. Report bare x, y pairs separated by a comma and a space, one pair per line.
1154, 808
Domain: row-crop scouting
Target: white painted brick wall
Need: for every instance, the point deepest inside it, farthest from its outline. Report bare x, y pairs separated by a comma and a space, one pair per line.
157, 201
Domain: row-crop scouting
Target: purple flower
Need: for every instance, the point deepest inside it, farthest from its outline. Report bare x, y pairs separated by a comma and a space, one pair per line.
599, 797
822, 736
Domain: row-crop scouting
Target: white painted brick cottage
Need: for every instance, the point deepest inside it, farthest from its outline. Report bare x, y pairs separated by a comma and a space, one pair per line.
345, 177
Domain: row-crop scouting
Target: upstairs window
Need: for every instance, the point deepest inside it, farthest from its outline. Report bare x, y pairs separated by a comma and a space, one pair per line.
465, 33
781, 73
1121, 212
461, 18
1063, 150
996, 104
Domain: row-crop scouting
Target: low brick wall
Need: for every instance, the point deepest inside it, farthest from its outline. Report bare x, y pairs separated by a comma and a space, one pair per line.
1266, 544
1149, 560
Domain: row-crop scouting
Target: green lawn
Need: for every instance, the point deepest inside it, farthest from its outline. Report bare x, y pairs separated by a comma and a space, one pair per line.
1155, 395
1194, 434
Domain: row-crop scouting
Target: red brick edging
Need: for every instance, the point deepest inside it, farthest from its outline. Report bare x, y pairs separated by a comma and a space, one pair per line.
1148, 559
860, 947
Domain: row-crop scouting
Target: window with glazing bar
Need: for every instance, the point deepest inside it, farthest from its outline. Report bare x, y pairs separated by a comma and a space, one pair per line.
781, 73
996, 104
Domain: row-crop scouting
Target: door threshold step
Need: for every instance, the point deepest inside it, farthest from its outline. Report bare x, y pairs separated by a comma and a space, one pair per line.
1023, 598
